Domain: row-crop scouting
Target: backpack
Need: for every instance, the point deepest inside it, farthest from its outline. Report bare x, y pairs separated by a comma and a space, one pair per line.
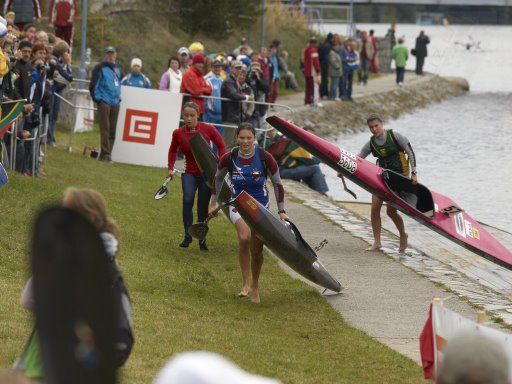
234, 153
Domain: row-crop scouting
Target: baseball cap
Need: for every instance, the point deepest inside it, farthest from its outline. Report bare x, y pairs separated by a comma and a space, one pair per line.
206, 368
237, 64
136, 61
218, 62
183, 50
109, 48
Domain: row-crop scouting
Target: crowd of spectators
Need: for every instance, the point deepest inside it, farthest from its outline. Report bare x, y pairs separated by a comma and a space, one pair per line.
36, 66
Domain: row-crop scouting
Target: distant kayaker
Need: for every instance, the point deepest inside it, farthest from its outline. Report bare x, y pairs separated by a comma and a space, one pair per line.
248, 167
393, 152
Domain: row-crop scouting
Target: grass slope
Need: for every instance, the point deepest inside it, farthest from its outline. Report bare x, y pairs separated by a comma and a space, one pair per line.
184, 299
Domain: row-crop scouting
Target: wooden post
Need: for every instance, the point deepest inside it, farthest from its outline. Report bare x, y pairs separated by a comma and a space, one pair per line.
481, 317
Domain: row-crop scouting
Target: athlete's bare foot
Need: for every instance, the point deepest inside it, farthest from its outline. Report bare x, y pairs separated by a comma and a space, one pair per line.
374, 248
403, 243
255, 296
244, 292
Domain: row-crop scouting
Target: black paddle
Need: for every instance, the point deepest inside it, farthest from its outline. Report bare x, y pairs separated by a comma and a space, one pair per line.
200, 230
163, 190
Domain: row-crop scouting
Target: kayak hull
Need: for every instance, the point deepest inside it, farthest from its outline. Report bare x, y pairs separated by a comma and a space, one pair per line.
285, 241
428, 207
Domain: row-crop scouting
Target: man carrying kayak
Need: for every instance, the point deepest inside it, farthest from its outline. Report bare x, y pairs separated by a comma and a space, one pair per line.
393, 151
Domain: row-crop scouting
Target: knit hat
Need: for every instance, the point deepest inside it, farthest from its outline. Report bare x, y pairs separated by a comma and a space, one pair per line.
198, 59
25, 44
136, 61
197, 46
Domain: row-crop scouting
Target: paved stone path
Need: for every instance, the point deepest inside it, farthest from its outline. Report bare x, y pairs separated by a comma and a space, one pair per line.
387, 294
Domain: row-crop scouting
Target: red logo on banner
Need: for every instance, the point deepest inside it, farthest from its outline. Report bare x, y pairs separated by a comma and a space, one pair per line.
140, 126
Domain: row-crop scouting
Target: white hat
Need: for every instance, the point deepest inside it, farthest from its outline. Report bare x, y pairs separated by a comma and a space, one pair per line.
136, 61
3, 21
3, 31
206, 368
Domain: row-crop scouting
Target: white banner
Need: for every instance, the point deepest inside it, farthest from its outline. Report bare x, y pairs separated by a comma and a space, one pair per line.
147, 118
84, 117
446, 324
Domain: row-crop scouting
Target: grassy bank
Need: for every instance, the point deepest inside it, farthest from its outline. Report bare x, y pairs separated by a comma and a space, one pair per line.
147, 32
186, 299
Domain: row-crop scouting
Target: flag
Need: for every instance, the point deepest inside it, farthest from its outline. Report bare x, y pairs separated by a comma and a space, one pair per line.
10, 112
427, 347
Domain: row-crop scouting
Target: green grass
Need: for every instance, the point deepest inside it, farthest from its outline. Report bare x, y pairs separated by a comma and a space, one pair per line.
184, 299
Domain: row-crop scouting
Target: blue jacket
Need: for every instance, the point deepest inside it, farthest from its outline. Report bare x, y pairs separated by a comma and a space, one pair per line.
275, 67
139, 80
106, 83
213, 106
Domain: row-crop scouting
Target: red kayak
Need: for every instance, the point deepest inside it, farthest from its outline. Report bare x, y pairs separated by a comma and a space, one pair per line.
430, 208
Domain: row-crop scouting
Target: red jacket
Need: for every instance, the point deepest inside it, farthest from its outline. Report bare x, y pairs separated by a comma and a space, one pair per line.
62, 12
193, 82
181, 140
311, 63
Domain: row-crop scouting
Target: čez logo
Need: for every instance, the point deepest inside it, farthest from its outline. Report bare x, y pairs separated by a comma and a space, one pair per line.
140, 126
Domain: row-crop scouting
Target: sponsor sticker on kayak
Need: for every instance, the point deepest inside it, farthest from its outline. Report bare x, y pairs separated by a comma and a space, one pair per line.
347, 153
459, 224
347, 164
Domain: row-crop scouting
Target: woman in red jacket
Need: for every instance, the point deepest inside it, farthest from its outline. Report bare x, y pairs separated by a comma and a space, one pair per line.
192, 180
193, 83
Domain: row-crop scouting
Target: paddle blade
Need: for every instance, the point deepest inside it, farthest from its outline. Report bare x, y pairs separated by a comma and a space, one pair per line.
161, 193
198, 231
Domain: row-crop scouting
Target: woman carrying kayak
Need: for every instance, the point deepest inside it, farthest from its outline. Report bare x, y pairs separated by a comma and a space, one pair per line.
192, 180
248, 166
390, 148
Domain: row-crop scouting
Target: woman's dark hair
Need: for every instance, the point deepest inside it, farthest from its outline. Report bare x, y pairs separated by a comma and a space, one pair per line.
192, 105
171, 59
245, 127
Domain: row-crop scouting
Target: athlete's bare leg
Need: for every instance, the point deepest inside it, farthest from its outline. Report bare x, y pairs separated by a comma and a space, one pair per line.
256, 263
376, 224
399, 223
244, 255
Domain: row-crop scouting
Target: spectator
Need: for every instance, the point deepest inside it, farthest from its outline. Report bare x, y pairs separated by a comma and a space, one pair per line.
390, 35
61, 74
26, 11
259, 87
365, 55
29, 31
400, 54
195, 49
184, 55
62, 16
350, 61
290, 80
311, 70
105, 89
136, 78
213, 108
265, 64
373, 62
171, 79
41, 37
10, 17
244, 45
323, 57
473, 358
193, 83
420, 51
273, 75
247, 108
335, 71
232, 110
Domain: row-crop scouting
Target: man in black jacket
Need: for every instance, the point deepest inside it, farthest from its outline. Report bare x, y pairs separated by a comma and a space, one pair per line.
323, 57
421, 51
232, 110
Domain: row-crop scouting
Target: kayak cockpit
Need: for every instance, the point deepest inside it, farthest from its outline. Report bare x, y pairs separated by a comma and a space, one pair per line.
417, 196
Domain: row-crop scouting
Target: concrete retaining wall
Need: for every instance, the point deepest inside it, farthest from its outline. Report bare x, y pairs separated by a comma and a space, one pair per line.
338, 117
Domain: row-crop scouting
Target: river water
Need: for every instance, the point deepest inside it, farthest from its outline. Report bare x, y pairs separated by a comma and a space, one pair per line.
463, 145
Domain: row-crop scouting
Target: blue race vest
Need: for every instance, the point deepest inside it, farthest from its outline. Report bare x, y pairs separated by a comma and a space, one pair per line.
250, 178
